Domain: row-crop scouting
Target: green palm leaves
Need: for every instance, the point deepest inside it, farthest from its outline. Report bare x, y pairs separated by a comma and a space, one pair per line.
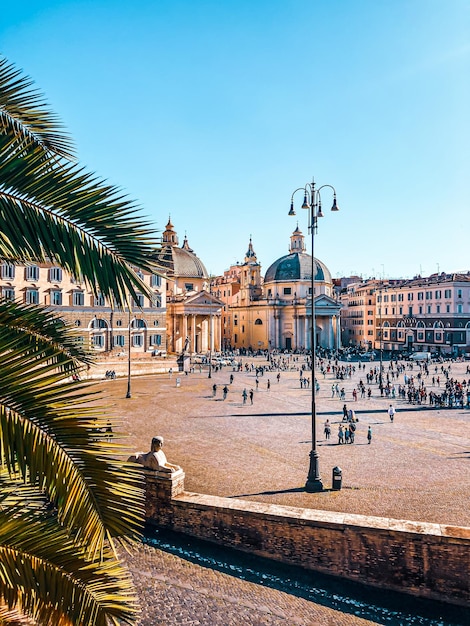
51, 209
65, 498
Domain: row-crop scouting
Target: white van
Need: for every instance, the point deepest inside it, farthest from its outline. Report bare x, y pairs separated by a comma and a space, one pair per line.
420, 356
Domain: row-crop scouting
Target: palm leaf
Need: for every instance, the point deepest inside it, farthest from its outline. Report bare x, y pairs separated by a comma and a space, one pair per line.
25, 115
64, 587
48, 433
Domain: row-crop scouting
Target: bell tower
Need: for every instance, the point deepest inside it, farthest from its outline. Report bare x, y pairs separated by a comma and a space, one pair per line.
297, 243
250, 279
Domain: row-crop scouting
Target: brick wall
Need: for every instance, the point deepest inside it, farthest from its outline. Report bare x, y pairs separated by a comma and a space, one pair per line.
427, 560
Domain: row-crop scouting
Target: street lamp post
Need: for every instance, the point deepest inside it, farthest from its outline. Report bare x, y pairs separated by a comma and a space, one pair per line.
312, 203
128, 394
209, 375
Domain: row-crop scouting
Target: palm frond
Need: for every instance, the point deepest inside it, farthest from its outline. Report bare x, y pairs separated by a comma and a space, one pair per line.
49, 433
64, 586
25, 115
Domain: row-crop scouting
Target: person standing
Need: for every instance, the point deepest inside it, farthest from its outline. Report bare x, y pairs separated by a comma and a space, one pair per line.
251, 396
268, 385
327, 429
352, 432
214, 390
244, 396
391, 412
340, 434
369, 435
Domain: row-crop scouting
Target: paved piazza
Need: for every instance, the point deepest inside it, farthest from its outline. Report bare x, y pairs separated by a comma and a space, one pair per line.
415, 468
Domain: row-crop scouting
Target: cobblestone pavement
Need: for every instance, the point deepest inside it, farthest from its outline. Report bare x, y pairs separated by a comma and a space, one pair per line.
415, 468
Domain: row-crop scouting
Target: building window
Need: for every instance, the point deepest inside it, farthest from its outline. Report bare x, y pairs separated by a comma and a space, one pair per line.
410, 310
78, 298
438, 336
155, 281
157, 300
155, 340
447, 308
460, 308
8, 293
118, 322
428, 295
156, 323
410, 297
55, 274
32, 272
258, 322
420, 336
56, 297
438, 308
97, 341
447, 293
98, 323
420, 310
287, 291
32, 296
189, 286
8, 271
99, 300
138, 323
400, 310
139, 300
119, 340
429, 309
137, 341
437, 294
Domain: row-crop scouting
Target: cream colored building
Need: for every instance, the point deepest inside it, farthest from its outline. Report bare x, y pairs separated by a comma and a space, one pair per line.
193, 313
98, 326
275, 313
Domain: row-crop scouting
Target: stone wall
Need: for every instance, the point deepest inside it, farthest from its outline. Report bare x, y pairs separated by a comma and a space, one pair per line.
427, 560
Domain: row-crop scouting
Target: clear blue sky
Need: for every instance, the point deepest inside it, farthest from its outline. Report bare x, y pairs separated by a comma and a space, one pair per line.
214, 111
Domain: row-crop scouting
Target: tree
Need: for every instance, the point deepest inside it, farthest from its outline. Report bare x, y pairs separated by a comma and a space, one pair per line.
66, 500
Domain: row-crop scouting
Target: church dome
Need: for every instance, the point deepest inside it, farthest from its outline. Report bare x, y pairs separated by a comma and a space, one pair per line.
180, 262
297, 266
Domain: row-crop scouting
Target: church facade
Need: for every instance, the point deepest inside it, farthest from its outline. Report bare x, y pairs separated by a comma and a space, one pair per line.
193, 313
275, 312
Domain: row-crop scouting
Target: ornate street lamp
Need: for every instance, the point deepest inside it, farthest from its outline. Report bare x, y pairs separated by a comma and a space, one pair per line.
128, 394
312, 203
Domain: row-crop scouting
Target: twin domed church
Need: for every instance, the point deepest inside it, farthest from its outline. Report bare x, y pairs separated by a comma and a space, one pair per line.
242, 309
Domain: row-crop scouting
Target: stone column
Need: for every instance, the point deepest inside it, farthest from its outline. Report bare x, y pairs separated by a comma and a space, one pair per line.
160, 489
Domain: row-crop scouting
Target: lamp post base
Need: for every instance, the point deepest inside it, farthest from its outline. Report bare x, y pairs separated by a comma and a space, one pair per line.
314, 483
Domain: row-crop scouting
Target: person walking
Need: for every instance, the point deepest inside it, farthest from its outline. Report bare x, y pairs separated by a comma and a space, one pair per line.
327, 429
214, 390
244, 396
391, 412
251, 396
369, 435
225, 391
268, 385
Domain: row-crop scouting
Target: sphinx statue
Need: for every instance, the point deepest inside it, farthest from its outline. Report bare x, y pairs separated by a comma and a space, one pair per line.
155, 459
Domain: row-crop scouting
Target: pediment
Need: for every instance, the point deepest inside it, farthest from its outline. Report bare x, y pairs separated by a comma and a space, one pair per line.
203, 298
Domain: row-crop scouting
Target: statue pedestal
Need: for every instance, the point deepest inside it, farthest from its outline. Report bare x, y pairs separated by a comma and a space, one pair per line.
160, 488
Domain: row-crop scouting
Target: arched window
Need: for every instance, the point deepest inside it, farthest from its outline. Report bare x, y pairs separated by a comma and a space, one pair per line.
258, 322
138, 323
